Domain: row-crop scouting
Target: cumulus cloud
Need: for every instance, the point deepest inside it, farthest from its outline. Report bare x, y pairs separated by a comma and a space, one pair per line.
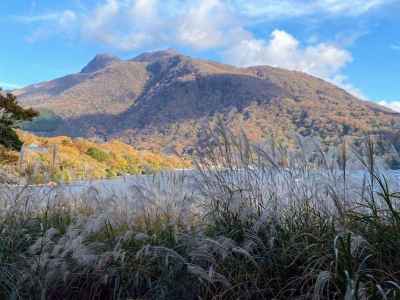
103, 24
394, 105
130, 24
127, 24
282, 49
209, 24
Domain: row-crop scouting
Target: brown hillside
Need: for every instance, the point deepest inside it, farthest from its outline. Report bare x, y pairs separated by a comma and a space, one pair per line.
162, 100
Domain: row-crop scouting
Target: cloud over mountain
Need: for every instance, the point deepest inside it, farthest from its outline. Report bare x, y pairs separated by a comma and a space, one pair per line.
394, 105
221, 26
284, 50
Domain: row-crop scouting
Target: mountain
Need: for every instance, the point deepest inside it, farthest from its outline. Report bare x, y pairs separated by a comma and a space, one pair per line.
105, 85
163, 100
99, 62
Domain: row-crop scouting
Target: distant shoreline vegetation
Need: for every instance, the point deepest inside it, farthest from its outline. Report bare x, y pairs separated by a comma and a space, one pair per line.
64, 159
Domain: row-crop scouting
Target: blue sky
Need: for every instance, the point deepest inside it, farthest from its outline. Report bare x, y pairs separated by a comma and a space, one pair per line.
355, 44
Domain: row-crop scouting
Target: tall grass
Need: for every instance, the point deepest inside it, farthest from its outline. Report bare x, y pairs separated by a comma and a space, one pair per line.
251, 223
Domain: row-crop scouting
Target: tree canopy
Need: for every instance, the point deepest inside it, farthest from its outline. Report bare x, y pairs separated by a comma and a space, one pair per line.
11, 117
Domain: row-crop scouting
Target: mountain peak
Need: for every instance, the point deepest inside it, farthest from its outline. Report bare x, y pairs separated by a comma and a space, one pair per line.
99, 62
162, 101
155, 55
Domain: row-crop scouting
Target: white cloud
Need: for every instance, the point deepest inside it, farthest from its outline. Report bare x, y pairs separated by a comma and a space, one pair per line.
394, 105
209, 24
283, 50
125, 25
134, 24
198, 24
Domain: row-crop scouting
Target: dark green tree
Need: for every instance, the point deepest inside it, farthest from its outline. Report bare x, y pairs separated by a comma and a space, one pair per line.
11, 117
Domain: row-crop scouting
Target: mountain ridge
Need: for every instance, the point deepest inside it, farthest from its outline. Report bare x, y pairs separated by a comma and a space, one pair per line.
100, 61
163, 100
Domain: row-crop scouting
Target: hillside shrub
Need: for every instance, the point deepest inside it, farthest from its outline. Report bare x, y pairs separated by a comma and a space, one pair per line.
98, 154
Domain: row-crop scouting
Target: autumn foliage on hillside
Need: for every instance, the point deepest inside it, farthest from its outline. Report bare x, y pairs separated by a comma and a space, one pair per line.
163, 101
65, 159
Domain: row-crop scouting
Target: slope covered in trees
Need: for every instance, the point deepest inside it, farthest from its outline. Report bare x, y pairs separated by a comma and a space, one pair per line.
163, 101
65, 159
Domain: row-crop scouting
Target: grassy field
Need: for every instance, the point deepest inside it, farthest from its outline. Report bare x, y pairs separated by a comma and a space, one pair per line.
265, 224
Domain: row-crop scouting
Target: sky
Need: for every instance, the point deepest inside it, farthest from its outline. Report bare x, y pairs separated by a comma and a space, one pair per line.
352, 43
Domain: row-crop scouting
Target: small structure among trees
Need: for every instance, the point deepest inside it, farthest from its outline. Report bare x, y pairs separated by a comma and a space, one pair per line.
11, 117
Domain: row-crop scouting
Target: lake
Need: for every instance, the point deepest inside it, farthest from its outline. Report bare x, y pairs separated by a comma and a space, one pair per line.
179, 185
